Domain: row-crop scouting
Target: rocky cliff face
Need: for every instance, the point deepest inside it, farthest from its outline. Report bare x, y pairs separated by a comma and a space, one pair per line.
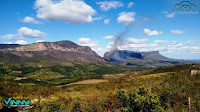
121, 56
131, 57
62, 50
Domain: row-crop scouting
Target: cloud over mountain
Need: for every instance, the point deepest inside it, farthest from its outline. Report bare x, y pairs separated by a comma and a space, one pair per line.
87, 42
24, 32
22, 42
137, 41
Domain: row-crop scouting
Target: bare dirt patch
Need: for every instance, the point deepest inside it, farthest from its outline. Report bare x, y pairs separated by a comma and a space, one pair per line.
114, 75
89, 81
19, 78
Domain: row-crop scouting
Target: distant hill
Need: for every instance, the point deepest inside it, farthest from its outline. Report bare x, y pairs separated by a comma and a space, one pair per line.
152, 59
5, 46
49, 51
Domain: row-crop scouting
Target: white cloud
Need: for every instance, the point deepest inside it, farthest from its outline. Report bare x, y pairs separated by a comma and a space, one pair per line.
178, 48
29, 33
137, 41
177, 32
87, 42
166, 42
39, 41
191, 42
154, 45
151, 33
100, 51
131, 44
24, 32
110, 45
195, 49
97, 18
11, 37
134, 47
161, 41
173, 42
7, 43
126, 17
130, 4
160, 48
30, 20
166, 47
175, 45
108, 37
106, 5
22, 42
138, 45
173, 49
106, 21
170, 15
69, 11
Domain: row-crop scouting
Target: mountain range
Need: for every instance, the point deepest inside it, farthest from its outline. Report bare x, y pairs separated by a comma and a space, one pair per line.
152, 58
68, 51
50, 51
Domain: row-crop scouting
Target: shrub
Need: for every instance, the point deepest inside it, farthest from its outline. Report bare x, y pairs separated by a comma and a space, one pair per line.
139, 101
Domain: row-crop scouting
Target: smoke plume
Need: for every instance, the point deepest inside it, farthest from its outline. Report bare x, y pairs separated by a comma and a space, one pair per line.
119, 38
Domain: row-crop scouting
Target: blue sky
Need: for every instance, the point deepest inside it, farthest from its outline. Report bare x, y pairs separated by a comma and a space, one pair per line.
147, 25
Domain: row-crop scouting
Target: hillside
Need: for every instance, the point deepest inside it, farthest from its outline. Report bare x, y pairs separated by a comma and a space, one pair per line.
59, 75
151, 59
165, 89
65, 52
47, 51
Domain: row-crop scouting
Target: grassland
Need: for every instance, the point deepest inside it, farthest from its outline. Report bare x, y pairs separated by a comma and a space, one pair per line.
171, 85
58, 75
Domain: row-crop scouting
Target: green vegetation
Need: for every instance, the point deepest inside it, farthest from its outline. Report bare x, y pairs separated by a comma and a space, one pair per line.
138, 101
164, 89
174, 68
58, 75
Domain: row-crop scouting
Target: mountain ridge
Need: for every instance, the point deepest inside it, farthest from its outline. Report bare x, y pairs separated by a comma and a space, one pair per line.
60, 50
63, 51
127, 57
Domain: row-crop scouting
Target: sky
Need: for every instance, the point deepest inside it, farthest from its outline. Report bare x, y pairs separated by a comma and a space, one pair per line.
143, 25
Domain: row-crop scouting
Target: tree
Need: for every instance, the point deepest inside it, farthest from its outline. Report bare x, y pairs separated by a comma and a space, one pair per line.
123, 97
139, 101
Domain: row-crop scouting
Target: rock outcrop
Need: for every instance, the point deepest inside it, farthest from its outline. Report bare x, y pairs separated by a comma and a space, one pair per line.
62, 50
133, 57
